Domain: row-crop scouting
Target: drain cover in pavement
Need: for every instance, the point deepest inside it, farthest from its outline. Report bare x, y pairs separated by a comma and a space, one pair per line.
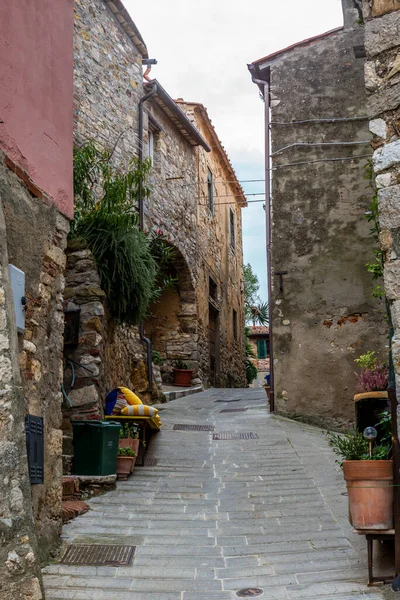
249, 592
231, 435
229, 410
98, 555
181, 427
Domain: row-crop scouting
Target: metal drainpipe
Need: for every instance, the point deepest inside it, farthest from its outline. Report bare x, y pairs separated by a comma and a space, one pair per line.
268, 231
141, 224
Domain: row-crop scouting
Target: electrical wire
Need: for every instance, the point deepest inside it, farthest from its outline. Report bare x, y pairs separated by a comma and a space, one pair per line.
311, 144
327, 120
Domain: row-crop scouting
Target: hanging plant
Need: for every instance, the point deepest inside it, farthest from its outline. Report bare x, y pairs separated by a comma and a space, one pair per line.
107, 222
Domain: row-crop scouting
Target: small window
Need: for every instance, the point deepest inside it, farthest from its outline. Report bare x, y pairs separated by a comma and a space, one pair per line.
261, 349
234, 314
210, 191
232, 228
151, 145
212, 289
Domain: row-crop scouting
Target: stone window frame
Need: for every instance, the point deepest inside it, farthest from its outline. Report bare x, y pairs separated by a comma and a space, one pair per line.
210, 191
154, 131
232, 228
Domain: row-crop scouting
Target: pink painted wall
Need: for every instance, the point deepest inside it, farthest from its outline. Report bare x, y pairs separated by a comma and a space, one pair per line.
36, 93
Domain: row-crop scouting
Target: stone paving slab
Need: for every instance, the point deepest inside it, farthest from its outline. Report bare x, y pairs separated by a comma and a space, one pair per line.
214, 516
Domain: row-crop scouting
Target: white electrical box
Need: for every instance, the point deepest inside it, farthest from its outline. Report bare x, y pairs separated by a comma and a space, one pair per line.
17, 278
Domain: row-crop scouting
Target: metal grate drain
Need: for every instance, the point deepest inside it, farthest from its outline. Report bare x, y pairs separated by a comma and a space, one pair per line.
249, 592
98, 555
182, 427
231, 410
231, 435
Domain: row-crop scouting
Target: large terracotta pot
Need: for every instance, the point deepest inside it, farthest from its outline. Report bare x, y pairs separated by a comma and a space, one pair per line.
183, 377
133, 444
124, 466
370, 491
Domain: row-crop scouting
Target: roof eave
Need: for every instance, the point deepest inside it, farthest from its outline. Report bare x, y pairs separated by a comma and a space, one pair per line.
241, 198
127, 24
177, 116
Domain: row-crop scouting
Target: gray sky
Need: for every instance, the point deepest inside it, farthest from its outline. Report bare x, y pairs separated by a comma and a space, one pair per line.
202, 49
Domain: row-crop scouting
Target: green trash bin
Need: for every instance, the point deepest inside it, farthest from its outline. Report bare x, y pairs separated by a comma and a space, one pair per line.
95, 447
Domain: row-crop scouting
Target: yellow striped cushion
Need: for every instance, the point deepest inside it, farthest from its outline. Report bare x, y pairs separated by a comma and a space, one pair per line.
131, 398
141, 410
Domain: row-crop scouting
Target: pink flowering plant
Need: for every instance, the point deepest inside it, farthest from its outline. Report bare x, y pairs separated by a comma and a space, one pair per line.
373, 376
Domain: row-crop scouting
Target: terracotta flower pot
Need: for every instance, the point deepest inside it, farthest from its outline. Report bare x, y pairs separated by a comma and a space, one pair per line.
133, 444
183, 377
267, 389
370, 491
124, 466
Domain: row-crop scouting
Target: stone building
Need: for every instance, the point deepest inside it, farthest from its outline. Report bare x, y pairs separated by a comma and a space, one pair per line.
109, 85
259, 341
382, 81
36, 201
323, 312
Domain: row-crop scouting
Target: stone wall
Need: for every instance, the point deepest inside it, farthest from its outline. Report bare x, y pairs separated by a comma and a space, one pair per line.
216, 258
325, 315
107, 81
20, 577
108, 354
42, 257
108, 86
382, 80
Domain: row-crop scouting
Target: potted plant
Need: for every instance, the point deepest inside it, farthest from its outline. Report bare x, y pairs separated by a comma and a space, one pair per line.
125, 462
129, 438
371, 398
368, 472
182, 374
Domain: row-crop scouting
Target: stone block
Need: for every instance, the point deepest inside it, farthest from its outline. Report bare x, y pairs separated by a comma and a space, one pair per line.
392, 280
389, 207
387, 156
384, 100
85, 395
381, 7
378, 127
382, 34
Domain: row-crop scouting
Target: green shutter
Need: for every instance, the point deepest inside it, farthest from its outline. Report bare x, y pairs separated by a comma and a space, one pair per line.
261, 349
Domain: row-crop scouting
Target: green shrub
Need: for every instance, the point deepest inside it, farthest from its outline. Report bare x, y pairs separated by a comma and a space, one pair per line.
126, 452
107, 222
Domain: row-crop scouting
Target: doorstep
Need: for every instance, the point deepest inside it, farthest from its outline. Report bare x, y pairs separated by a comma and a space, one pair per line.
172, 392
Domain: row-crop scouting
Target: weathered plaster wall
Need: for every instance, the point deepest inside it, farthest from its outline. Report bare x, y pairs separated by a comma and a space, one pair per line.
382, 80
20, 577
42, 257
36, 94
325, 315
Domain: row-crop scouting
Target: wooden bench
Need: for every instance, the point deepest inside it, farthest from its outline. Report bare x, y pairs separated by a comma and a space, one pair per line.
148, 427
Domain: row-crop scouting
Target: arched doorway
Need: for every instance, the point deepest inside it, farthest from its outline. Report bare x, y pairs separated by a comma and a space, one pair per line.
172, 326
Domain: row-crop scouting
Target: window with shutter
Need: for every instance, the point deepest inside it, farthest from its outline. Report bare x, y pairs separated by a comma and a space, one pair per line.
261, 349
34, 448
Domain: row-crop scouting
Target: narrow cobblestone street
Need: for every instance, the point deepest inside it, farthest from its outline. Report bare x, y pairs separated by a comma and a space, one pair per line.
214, 516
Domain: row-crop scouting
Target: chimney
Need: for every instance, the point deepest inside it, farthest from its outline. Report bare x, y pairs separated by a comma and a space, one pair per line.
352, 13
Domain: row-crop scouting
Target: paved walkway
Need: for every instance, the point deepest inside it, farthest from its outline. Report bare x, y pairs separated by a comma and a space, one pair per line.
215, 516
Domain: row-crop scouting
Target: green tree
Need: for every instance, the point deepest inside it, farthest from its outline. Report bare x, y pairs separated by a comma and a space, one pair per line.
256, 311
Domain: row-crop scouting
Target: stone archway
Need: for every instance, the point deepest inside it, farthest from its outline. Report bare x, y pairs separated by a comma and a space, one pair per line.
172, 326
